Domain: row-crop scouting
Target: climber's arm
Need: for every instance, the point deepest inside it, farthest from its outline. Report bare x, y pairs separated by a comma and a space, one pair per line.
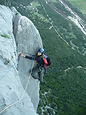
28, 57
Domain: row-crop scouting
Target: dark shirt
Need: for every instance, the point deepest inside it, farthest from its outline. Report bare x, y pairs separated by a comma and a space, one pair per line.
38, 59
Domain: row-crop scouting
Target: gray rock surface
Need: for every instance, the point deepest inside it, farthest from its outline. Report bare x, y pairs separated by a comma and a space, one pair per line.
17, 34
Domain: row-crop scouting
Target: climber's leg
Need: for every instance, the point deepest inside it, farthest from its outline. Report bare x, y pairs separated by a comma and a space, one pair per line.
35, 72
41, 75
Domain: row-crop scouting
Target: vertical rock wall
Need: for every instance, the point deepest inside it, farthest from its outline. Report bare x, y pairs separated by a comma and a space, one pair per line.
28, 41
17, 34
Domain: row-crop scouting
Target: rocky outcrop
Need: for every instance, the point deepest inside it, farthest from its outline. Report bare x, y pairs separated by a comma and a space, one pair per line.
19, 92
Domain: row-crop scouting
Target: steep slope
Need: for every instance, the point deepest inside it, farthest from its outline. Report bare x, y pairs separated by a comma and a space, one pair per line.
19, 92
65, 43
64, 91
28, 41
80, 4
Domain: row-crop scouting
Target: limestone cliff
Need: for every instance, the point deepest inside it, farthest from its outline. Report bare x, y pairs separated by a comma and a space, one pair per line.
19, 92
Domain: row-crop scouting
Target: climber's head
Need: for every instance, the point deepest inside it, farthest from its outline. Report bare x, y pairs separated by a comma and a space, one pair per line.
40, 52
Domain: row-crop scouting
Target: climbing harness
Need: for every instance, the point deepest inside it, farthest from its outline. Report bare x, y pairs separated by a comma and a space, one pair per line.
21, 95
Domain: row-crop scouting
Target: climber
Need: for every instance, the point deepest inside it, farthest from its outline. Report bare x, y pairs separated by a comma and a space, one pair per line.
42, 63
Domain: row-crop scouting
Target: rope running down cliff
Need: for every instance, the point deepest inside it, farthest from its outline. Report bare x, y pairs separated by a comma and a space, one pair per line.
21, 95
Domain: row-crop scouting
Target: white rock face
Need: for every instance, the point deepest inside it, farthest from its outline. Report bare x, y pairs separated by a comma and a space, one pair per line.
75, 18
17, 34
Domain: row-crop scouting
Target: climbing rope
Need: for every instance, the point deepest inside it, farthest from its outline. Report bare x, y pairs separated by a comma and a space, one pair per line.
21, 95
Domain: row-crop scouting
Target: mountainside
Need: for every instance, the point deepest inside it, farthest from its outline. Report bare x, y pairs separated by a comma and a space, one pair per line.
80, 4
63, 31
19, 92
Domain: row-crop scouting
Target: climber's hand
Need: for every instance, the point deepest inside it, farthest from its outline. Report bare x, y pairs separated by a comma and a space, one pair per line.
22, 55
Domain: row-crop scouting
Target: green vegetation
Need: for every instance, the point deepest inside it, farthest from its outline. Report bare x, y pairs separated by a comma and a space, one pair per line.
42, 18
67, 93
64, 89
80, 4
16, 13
5, 36
53, 0
35, 4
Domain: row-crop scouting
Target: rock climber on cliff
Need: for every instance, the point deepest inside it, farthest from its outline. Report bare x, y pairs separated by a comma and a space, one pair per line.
42, 63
